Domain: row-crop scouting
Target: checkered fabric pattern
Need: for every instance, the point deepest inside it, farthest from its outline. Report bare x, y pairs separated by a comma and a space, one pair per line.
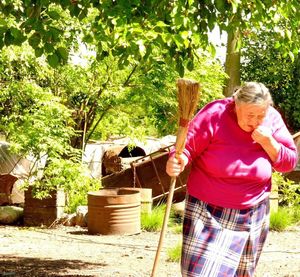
222, 242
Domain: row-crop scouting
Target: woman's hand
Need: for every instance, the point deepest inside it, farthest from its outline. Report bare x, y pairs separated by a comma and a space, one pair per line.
263, 136
176, 165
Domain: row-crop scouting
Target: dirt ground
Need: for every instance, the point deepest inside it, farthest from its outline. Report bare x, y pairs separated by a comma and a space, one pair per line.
71, 251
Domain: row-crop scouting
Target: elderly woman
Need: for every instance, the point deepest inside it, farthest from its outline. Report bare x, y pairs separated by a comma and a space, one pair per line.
232, 144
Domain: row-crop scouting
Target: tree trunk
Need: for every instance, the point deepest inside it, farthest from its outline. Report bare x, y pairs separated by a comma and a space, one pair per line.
232, 63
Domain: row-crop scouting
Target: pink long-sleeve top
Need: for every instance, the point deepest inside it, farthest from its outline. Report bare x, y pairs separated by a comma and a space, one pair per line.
228, 168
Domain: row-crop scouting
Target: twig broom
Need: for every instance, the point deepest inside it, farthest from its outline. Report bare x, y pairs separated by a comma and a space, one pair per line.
188, 94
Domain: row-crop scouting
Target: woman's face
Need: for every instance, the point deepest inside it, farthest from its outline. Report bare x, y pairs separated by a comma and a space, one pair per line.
250, 116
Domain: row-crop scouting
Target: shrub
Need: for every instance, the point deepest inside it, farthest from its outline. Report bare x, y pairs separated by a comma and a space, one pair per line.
288, 190
68, 175
289, 199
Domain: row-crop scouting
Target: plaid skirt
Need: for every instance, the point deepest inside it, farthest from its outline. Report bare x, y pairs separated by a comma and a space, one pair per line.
222, 242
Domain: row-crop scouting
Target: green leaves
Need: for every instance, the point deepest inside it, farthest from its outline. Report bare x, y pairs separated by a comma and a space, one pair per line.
14, 36
128, 28
270, 61
34, 40
54, 15
8, 38
220, 5
53, 60
57, 57
39, 119
63, 53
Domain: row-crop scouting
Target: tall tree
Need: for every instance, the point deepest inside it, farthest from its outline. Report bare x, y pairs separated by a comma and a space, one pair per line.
132, 29
267, 64
277, 18
232, 62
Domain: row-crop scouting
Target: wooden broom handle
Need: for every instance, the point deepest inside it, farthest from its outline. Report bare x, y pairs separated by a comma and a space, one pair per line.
165, 223
187, 97
180, 143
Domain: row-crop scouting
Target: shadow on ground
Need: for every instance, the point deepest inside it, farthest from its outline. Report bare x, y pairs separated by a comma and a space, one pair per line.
34, 267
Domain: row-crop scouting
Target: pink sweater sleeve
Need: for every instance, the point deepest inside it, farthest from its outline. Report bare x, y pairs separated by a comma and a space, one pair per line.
288, 156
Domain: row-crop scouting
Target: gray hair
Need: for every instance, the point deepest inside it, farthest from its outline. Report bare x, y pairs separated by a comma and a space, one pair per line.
253, 93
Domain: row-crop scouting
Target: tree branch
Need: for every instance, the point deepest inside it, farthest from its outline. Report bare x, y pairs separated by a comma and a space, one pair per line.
95, 126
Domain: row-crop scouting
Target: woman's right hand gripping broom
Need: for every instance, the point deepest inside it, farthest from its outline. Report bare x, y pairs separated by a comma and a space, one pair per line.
176, 164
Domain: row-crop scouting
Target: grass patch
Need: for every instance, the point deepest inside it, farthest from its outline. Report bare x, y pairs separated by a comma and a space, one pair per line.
174, 253
281, 219
175, 222
153, 221
296, 215
176, 228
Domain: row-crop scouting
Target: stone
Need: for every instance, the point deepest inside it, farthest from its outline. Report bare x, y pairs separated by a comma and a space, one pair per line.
10, 214
81, 216
68, 219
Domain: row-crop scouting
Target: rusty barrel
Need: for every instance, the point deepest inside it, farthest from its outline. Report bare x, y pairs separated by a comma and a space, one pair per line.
146, 199
114, 211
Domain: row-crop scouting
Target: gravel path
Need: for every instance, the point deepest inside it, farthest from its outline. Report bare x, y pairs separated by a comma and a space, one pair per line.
71, 251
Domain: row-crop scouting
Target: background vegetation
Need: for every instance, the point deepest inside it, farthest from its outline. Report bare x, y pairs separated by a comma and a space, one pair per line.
55, 97
264, 62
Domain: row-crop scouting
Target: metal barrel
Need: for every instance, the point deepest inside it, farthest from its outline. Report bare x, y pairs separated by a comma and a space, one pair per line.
114, 211
146, 199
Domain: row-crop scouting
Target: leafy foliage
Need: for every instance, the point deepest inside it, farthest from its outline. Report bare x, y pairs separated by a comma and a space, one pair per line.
136, 101
148, 104
288, 190
265, 63
37, 124
69, 175
42, 24
32, 106
132, 30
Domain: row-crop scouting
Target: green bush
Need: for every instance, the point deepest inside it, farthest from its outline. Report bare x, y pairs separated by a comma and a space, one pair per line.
266, 63
288, 190
289, 199
71, 176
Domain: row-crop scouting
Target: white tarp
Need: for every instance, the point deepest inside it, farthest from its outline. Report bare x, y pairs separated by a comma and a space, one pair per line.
94, 152
93, 155
13, 164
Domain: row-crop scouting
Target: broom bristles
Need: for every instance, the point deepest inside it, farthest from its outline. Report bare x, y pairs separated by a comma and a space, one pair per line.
188, 95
